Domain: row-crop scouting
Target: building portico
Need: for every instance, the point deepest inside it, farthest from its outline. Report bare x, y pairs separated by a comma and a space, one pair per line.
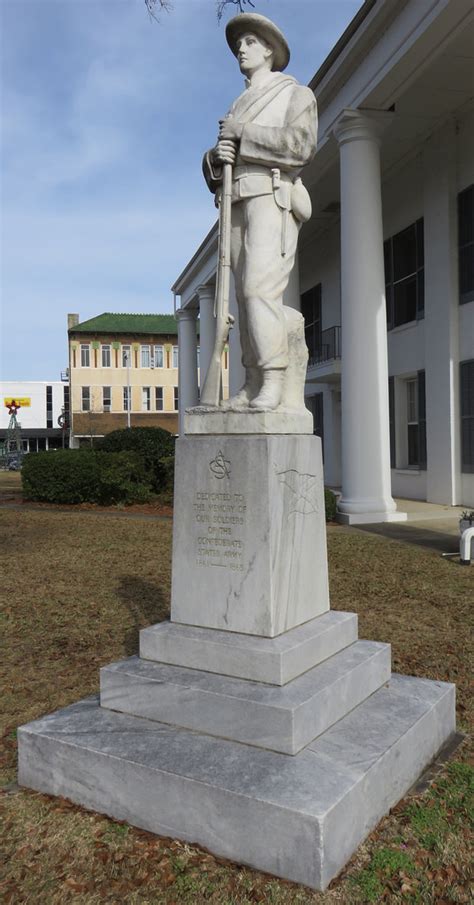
385, 264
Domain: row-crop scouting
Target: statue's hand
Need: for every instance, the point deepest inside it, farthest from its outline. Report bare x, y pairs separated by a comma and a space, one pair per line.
230, 129
224, 152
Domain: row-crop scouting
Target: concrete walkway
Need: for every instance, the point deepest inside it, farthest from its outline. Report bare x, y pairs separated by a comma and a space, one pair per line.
428, 525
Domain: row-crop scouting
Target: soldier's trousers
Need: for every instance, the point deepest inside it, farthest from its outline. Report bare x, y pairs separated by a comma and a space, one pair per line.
261, 275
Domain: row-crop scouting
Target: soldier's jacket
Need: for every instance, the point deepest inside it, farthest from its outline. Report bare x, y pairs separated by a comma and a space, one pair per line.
279, 134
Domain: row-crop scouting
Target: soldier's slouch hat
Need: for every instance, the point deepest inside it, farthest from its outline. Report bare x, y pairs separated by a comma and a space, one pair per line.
254, 23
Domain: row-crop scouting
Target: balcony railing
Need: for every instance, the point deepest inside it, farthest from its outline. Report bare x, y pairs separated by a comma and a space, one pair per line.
329, 348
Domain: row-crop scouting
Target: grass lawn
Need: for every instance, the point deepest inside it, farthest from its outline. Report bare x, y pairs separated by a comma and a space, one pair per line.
77, 587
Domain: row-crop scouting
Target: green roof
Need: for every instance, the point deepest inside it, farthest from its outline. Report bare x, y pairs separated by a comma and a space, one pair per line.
128, 323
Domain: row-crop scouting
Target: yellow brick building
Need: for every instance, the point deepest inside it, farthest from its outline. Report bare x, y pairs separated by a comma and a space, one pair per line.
123, 371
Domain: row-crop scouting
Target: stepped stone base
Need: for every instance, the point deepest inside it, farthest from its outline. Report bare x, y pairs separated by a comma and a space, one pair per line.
297, 817
280, 719
272, 660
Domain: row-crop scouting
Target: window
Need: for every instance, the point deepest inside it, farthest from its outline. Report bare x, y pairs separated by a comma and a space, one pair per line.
106, 356
126, 391
404, 260
66, 402
416, 421
467, 416
106, 398
311, 311
85, 356
158, 353
159, 399
86, 399
126, 357
175, 356
49, 406
176, 399
466, 244
146, 399
391, 415
145, 356
412, 422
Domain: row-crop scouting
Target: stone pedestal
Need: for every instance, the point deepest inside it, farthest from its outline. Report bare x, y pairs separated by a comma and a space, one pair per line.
255, 722
249, 543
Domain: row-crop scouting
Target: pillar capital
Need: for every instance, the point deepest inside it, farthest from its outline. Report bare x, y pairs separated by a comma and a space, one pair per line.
206, 292
361, 125
187, 314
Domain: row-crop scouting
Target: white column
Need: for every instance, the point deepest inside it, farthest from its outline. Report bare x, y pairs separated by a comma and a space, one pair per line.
441, 319
187, 360
366, 485
207, 328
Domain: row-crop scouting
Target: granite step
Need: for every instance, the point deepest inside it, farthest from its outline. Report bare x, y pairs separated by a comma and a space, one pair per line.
273, 660
297, 817
281, 719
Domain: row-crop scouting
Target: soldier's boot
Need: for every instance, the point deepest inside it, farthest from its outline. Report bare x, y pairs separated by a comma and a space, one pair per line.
250, 389
269, 397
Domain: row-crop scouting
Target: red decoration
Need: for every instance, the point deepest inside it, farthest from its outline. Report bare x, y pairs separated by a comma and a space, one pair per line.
13, 407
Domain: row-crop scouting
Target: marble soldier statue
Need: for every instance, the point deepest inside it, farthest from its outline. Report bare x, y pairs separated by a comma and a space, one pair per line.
268, 136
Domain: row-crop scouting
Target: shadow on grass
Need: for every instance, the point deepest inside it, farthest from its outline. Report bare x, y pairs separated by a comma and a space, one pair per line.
146, 602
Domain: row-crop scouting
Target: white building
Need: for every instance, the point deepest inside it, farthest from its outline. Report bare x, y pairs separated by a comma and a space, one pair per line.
385, 274
42, 402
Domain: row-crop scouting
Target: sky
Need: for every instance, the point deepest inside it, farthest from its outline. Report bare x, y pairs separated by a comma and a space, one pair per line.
105, 118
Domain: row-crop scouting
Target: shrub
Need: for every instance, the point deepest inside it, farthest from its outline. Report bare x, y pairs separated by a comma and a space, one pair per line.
330, 503
167, 468
153, 444
85, 476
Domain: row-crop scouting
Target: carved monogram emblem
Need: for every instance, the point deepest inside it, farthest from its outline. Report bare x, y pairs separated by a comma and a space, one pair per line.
220, 467
303, 491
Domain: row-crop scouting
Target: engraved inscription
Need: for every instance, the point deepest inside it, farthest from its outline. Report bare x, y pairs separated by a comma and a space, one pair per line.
303, 491
220, 467
218, 519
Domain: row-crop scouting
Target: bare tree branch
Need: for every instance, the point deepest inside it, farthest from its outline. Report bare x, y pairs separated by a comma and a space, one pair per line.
221, 5
154, 7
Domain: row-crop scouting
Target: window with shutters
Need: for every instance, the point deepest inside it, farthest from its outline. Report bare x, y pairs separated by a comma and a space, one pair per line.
404, 260
416, 421
466, 244
146, 399
126, 398
86, 399
391, 411
106, 399
85, 355
467, 416
106, 356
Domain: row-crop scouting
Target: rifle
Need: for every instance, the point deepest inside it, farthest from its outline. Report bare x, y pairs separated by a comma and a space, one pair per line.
224, 321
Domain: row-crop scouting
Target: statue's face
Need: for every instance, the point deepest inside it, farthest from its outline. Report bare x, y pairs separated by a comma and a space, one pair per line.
253, 54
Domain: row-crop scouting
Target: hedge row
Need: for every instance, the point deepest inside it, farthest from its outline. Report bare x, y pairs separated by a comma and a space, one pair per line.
85, 476
154, 445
